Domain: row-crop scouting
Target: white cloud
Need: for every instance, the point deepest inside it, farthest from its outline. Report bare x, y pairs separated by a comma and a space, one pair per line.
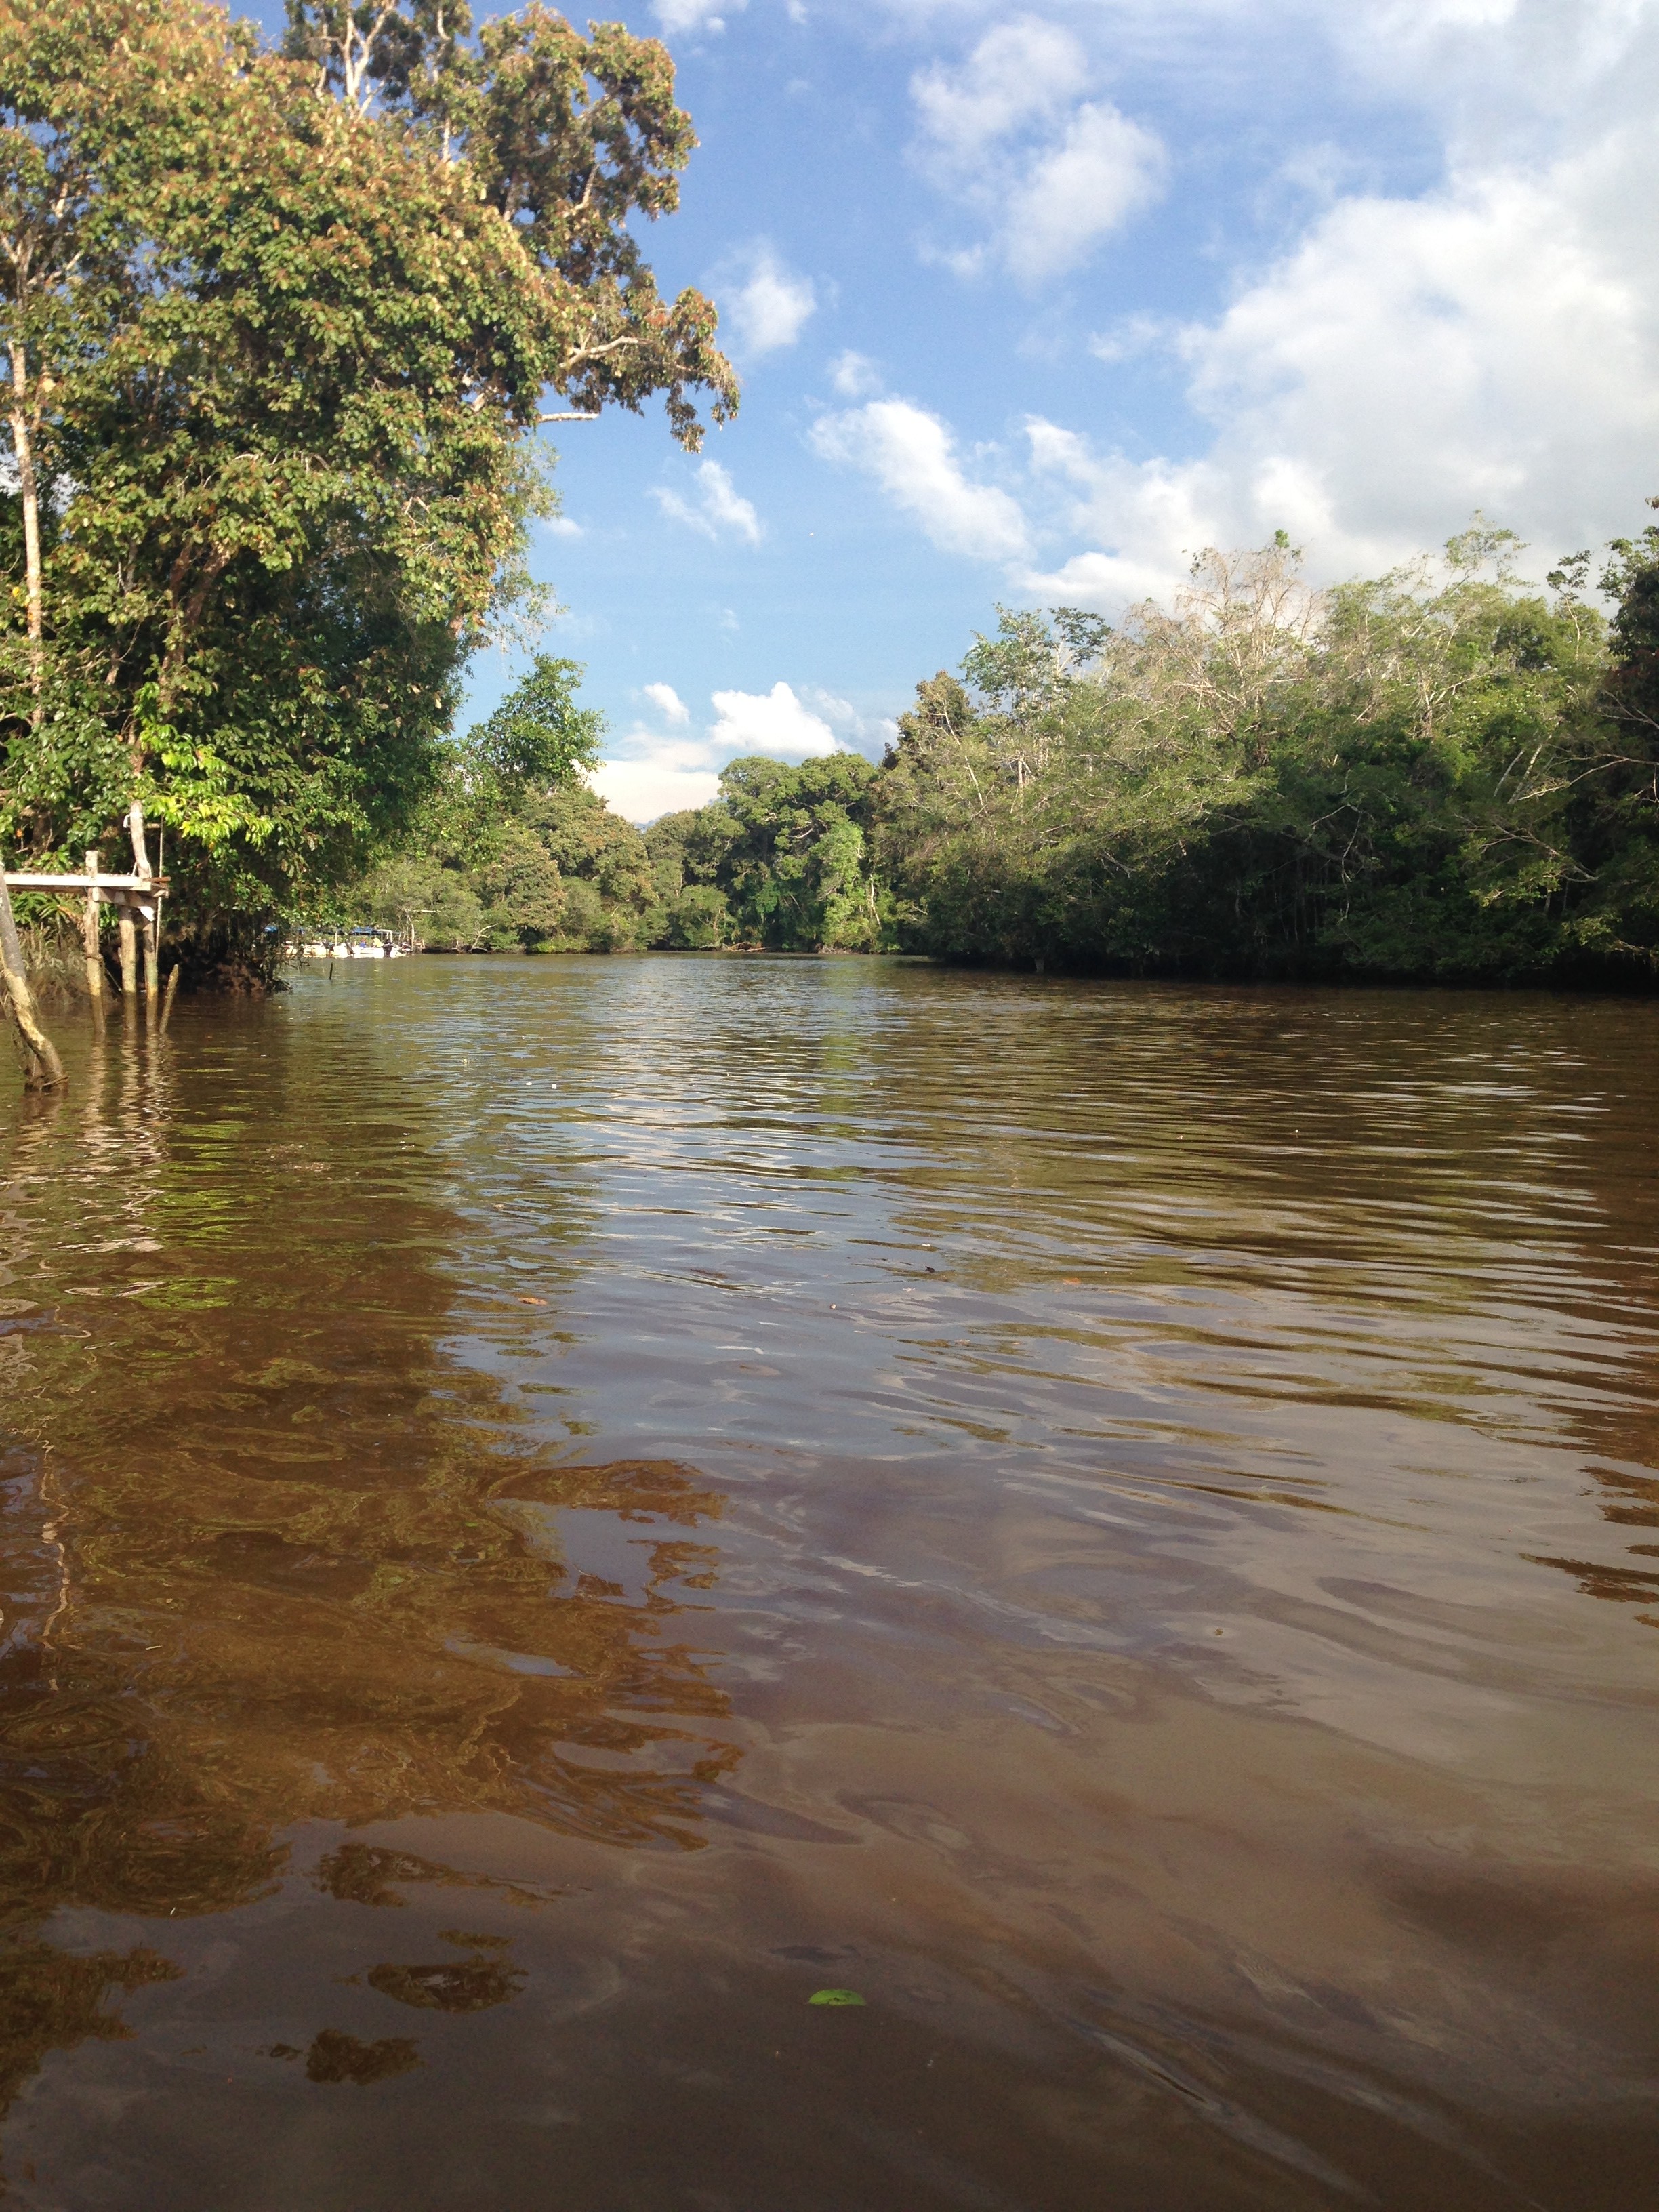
1018, 73
767, 304
1131, 336
640, 790
720, 505
1103, 169
772, 721
1491, 345
912, 456
667, 702
677, 16
863, 732
855, 375
1010, 136
560, 525
654, 772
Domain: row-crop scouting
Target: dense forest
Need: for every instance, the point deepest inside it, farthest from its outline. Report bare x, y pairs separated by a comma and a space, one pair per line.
1444, 773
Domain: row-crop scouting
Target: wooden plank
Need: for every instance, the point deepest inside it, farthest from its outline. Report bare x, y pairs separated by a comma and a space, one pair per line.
25, 880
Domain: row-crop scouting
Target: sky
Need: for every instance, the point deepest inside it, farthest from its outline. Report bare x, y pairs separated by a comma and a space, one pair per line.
1030, 303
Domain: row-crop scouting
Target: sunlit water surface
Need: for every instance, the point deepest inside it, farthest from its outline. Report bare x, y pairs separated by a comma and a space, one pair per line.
556, 1509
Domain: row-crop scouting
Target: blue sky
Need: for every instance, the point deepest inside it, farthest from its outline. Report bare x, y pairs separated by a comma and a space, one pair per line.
1031, 302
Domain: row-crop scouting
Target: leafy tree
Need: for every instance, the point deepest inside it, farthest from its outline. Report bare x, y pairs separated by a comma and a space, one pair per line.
686, 851
1436, 773
512, 851
567, 139
697, 919
538, 736
795, 868
279, 411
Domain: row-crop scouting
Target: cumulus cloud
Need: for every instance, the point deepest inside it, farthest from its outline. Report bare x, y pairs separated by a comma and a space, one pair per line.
667, 702
1010, 138
772, 721
1018, 73
652, 772
718, 506
1493, 344
1101, 169
767, 304
640, 790
912, 455
859, 732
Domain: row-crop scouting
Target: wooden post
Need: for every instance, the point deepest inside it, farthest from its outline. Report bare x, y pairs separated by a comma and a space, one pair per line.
129, 936
141, 867
89, 938
42, 1069
155, 917
172, 993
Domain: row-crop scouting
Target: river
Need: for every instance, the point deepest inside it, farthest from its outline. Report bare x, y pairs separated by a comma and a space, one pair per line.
557, 1511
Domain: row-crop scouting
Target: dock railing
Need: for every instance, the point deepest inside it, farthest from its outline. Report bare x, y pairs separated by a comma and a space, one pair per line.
137, 899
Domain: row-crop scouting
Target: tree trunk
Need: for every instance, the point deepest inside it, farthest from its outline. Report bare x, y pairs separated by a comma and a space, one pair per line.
29, 493
42, 1069
135, 830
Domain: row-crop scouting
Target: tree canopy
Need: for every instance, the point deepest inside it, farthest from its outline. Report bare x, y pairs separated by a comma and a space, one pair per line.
279, 329
1443, 772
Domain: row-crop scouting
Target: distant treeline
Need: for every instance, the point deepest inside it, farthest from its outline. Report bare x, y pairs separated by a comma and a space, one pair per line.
1443, 773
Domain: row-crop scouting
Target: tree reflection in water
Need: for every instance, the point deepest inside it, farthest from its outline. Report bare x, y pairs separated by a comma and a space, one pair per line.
302, 1564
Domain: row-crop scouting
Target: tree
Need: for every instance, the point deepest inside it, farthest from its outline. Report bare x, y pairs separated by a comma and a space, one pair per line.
795, 869
566, 138
54, 247
538, 735
290, 435
511, 850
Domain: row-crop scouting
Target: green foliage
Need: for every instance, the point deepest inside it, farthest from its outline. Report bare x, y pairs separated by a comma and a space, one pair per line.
277, 343
511, 852
538, 735
698, 919
787, 847
566, 139
1441, 773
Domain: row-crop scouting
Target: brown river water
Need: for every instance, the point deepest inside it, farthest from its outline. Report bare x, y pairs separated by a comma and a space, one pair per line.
555, 1510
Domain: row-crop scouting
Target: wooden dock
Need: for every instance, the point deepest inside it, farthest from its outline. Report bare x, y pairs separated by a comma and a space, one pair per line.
120, 891
135, 896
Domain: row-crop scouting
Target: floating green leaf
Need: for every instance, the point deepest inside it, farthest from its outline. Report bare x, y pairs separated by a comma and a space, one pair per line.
835, 1996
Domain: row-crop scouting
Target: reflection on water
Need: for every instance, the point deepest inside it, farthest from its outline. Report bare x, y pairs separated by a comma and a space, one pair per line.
554, 1509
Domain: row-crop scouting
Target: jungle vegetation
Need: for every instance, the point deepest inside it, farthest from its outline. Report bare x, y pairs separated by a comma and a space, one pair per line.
280, 332
1443, 773
280, 329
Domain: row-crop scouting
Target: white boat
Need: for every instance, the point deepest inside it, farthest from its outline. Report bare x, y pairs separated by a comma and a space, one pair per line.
355, 944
